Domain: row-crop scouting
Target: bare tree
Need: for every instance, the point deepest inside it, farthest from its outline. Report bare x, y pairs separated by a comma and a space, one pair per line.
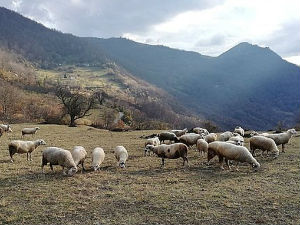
76, 105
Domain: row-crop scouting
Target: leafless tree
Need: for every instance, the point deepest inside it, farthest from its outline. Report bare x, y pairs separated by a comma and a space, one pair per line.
76, 104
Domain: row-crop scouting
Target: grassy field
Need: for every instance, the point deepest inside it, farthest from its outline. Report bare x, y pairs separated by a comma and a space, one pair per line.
143, 193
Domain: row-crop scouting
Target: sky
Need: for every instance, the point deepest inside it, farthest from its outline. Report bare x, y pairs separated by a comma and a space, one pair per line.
209, 27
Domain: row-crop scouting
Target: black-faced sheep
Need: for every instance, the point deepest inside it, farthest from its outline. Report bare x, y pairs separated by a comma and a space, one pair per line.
282, 138
22, 147
79, 154
230, 152
31, 131
59, 156
264, 144
173, 151
179, 133
167, 136
121, 155
98, 156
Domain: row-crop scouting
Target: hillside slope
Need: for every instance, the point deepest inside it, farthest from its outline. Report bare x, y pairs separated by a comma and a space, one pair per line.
247, 85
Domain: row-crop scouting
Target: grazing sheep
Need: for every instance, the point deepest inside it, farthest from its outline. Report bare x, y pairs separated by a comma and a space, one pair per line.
21, 147
173, 151
79, 154
6, 128
199, 130
282, 138
167, 136
202, 146
29, 131
238, 140
265, 144
151, 141
230, 152
190, 139
225, 136
59, 156
239, 130
121, 155
98, 156
211, 137
179, 133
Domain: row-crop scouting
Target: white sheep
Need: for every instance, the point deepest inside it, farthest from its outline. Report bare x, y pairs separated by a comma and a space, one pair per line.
151, 141
179, 133
6, 128
190, 139
264, 144
79, 154
21, 147
282, 138
199, 130
59, 156
225, 136
98, 156
31, 131
239, 130
238, 140
211, 137
202, 146
230, 152
121, 155
173, 151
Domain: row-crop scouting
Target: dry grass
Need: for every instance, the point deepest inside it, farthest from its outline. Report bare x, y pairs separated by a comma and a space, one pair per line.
143, 193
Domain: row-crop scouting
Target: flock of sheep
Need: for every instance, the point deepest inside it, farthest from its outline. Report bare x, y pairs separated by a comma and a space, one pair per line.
228, 146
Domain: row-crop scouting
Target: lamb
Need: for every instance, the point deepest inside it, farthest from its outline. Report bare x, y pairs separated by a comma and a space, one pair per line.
265, 144
211, 137
282, 138
190, 139
167, 136
98, 156
121, 155
239, 130
6, 128
151, 141
21, 147
230, 152
202, 146
79, 154
29, 131
59, 156
225, 136
238, 140
173, 151
199, 130
179, 133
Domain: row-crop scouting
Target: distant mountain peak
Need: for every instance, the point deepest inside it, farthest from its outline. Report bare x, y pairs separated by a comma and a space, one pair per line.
245, 49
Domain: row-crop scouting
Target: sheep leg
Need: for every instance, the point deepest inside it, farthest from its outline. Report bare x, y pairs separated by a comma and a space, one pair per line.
227, 163
44, 162
185, 159
283, 148
162, 162
30, 156
51, 166
63, 170
27, 156
83, 169
221, 162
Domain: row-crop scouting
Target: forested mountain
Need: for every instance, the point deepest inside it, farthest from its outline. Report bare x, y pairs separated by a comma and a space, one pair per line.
248, 85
